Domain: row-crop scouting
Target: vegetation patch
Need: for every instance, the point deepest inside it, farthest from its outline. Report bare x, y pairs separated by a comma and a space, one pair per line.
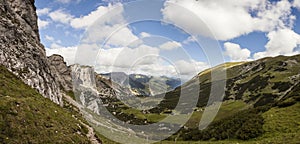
27, 117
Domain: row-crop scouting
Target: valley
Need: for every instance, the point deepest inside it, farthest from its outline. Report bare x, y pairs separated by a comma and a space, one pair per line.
246, 103
251, 97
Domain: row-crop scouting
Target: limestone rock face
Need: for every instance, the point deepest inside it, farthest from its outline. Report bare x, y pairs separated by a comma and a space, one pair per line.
63, 74
20, 49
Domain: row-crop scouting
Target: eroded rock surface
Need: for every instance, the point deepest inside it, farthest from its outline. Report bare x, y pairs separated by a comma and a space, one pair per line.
20, 48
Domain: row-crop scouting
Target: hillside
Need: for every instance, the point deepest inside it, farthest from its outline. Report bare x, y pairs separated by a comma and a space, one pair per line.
257, 83
254, 90
27, 117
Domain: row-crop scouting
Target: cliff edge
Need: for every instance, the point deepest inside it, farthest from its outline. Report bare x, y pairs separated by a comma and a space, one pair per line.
21, 51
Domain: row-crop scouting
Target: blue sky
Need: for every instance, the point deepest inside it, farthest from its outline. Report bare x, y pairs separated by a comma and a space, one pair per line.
238, 30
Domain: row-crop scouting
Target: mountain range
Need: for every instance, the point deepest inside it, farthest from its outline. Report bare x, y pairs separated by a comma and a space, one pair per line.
143, 85
43, 100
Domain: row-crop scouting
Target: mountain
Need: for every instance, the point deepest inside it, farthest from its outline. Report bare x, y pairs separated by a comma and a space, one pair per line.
143, 85
21, 51
63, 74
253, 90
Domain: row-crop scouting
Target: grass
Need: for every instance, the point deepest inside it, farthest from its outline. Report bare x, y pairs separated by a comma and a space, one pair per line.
105, 140
27, 117
282, 124
150, 117
227, 109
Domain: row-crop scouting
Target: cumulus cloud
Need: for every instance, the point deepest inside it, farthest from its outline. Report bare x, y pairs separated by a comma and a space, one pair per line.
190, 67
236, 53
111, 28
105, 24
43, 23
123, 50
227, 19
142, 60
67, 52
170, 45
296, 4
151, 65
189, 40
49, 38
44, 11
144, 35
56, 46
87, 20
281, 42
127, 57
61, 16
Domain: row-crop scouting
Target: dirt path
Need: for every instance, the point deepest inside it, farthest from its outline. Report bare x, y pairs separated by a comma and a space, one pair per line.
91, 133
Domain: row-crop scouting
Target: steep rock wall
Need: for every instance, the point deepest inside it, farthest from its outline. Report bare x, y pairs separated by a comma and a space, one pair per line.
20, 49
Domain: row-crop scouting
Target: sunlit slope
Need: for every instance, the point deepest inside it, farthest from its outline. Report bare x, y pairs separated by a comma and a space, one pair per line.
27, 117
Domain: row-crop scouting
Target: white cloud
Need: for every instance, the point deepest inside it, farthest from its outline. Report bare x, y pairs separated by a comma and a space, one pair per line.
88, 20
122, 37
227, 19
67, 1
274, 16
43, 23
49, 38
146, 61
44, 11
61, 16
105, 24
190, 68
189, 40
281, 42
144, 35
235, 52
67, 52
55, 46
142, 60
110, 28
170, 45
127, 57
296, 4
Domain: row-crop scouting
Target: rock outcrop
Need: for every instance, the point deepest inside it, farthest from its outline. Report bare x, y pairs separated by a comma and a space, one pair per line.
20, 48
63, 74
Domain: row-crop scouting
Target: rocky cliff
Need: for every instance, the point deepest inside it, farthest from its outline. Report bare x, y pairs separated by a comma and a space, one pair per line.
63, 74
20, 49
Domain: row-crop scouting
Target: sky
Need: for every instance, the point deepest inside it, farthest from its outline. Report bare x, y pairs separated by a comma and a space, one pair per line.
177, 38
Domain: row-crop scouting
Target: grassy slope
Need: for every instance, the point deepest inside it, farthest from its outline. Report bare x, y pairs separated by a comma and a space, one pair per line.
227, 108
27, 117
281, 72
282, 125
